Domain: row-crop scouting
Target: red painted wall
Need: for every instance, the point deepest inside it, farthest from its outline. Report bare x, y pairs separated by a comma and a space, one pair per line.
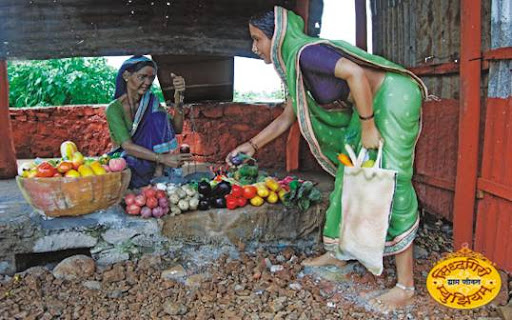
494, 214
219, 127
436, 157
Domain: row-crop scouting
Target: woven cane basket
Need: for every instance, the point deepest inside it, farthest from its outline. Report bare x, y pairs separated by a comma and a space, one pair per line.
63, 196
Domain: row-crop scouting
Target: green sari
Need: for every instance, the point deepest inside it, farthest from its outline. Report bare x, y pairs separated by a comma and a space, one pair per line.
397, 109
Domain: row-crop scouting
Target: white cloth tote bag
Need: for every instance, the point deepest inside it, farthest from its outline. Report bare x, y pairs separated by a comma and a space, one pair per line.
367, 199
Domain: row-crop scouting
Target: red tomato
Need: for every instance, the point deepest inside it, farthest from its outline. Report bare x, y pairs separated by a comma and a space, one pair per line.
45, 170
249, 192
151, 202
129, 199
236, 191
133, 209
160, 194
229, 197
231, 203
140, 200
241, 202
149, 192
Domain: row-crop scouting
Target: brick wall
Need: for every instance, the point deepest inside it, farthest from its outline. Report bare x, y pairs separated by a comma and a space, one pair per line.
218, 128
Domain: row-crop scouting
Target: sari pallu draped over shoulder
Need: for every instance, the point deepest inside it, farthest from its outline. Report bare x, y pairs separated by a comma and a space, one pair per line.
327, 131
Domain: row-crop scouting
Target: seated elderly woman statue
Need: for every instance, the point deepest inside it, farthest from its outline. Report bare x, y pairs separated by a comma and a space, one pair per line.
140, 128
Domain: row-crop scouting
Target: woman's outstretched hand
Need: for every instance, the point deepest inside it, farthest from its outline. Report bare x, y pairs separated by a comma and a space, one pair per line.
245, 148
370, 135
175, 160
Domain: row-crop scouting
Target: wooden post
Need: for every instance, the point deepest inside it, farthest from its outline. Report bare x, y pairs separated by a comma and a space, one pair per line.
302, 9
361, 40
293, 141
469, 121
7, 154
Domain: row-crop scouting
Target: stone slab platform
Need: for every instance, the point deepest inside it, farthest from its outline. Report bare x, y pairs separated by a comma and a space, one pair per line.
111, 235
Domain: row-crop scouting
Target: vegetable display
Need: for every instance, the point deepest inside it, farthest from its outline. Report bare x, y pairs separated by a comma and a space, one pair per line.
147, 203
219, 193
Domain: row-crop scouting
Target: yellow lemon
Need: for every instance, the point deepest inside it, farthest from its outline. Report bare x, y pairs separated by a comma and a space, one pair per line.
262, 191
281, 194
368, 163
272, 184
72, 174
257, 201
98, 169
272, 197
85, 171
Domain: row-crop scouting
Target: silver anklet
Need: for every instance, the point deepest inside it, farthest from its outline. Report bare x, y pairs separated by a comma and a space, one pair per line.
401, 286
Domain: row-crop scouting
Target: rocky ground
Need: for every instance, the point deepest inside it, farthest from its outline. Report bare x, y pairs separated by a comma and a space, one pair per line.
233, 283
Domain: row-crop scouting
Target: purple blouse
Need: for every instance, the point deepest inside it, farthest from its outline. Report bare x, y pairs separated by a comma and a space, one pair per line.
317, 63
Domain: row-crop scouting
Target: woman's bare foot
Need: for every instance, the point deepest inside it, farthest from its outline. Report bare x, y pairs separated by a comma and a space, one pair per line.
324, 260
394, 298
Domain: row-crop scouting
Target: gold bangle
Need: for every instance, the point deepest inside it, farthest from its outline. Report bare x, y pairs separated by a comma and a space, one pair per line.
253, 145
157, 160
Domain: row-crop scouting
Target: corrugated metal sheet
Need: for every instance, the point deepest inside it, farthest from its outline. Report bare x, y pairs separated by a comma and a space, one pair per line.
412, 32
500, 82
415, 33
494, 217
498, 142
493, 231
419, 33
436, 157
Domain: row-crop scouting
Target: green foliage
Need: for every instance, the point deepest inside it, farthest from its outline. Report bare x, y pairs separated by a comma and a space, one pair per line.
59, 82
68, 81
251, 96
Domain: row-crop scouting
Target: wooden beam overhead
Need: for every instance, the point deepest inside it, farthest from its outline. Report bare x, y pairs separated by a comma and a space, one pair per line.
47, 29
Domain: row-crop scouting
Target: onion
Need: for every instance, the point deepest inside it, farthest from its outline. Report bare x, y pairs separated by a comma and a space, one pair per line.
193, 203
157, 212
175, 211
181, 193
145, 212
174, 198
165, 209
183, 205
163, 202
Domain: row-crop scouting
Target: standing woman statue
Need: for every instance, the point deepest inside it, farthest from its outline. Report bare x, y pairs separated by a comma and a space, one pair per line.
386, 105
